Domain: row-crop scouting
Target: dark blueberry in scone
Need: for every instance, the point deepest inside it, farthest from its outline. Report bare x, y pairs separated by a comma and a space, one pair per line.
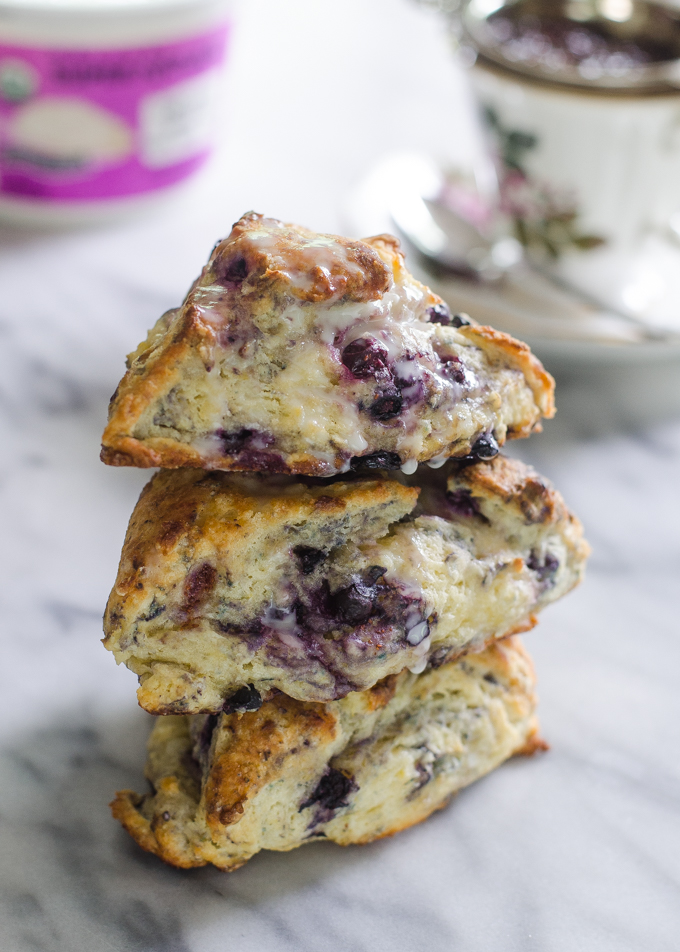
303, 346
441, 314
380, 460
546, 567
332, 791
237, 583
245, 699
351, 771
387, 404
453, 369
355, 603
366, 357
485, 448
309, 557
460, 320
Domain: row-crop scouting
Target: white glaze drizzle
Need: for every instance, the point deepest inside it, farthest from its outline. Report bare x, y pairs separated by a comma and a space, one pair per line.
418, 633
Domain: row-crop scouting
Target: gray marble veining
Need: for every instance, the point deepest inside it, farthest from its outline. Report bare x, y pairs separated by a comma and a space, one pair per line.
578, 849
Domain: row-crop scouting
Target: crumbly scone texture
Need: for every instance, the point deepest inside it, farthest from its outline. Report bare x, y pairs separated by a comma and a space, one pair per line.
231, 582
226, 786
296, 352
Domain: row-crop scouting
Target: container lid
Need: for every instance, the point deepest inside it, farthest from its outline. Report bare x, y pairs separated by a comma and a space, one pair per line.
75, 6
106, 24
605, 45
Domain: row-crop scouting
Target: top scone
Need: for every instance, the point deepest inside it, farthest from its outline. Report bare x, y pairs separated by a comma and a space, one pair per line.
296, 352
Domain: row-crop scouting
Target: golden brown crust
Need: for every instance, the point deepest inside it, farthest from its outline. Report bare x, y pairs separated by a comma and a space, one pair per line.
152, 835
253, 751
535, 745
509, 487
515, 485
541, 382
297, 261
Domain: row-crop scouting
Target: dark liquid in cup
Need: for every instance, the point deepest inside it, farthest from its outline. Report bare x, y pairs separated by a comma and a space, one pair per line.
556, 36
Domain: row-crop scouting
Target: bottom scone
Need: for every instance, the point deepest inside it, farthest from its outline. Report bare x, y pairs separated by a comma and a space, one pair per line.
228, 785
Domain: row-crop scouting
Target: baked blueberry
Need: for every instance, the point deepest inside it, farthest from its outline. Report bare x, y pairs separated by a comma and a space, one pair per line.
387, 404
309, 557
381, 460
245, 699
545, 568
332, 792
354, 604
485, 447
366, 357
439, 314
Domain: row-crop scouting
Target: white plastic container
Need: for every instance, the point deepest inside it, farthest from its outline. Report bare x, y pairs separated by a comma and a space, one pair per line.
105, 105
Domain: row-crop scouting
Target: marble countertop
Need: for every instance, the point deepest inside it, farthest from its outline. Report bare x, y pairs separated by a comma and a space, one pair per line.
578, 849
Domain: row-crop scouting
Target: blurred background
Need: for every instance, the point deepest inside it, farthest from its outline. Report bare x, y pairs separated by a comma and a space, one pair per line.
342, 117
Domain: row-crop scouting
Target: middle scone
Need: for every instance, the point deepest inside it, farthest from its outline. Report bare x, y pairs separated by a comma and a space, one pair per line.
232, 585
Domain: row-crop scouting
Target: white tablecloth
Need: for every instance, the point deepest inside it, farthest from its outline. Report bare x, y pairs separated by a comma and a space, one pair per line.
574, 850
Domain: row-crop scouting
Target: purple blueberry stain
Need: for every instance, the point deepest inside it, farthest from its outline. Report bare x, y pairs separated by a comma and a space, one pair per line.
374, 572
232, 273
463, 502
424, 768
235, 440
249, 446
334, 630
257, 461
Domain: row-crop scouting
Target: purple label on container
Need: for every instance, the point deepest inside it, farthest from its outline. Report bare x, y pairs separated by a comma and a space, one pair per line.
87, 125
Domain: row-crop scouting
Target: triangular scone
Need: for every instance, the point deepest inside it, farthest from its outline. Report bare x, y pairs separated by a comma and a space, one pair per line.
232, 583
296, 352
226, 786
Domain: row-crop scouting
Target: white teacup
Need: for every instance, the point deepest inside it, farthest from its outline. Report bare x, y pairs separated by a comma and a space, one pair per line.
588, 148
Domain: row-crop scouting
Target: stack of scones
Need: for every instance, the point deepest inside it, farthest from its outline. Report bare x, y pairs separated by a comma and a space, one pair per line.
321, 590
